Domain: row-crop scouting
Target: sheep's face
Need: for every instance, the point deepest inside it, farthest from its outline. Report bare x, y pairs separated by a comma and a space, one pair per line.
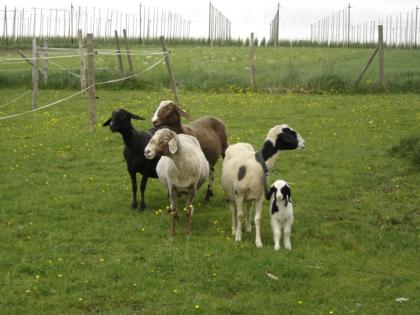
167, 114
120, 120
282, 137
282, 193
163, 142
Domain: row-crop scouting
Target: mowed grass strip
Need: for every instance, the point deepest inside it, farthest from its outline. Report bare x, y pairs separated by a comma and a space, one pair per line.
70, 244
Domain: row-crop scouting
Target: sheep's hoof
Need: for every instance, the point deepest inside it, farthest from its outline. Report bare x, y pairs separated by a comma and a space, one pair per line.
258, 244
142, 207
249, 228
134, 205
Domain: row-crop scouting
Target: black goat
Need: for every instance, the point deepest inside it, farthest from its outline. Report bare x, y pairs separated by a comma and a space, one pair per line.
135, 141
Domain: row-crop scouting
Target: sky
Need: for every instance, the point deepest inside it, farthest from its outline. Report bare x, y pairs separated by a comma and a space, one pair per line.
246, 16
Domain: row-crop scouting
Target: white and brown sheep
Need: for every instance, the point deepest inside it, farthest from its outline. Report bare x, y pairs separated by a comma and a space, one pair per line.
244, 177
182, 168
210, 132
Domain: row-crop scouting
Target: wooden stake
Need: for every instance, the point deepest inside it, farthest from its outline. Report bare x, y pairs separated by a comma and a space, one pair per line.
35, 75
381, 54
169, 68
252, 62
82, 63
367, 65
119, 57
45, 53
91, 82
127, 49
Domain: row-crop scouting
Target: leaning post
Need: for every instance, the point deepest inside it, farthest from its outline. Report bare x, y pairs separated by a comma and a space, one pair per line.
381, 54
35, 74
127, 49
82, 63
169, 68
119, 57
252, 62
91, 82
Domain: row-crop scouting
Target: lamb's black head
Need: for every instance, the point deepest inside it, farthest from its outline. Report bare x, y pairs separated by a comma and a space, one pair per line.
281, 191
282, 137
120, 120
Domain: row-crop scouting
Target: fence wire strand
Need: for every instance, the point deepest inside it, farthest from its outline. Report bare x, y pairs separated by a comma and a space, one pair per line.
15, 99
81, 91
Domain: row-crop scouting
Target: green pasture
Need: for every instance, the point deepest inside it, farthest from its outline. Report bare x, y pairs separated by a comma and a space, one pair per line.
70, 244
225, 69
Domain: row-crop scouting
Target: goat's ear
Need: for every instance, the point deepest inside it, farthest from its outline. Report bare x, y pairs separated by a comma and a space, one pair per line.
272, 191
172, 145
107, 122
182, 112
134, 116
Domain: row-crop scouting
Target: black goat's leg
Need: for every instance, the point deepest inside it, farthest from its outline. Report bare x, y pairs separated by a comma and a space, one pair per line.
210, 185
142, 189
134, 189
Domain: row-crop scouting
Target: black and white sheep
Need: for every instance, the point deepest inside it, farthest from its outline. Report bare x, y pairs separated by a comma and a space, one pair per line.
281, 213
244, 175
135, 141
182, 168
210, 132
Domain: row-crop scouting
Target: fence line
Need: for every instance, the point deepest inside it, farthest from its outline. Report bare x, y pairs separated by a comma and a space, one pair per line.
81, 91
274, 28
148, 23
219, 26
64, 69
15, 99
399, 29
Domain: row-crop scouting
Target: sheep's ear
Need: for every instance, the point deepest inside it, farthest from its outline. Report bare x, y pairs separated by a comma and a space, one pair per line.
107, 122
182, 112
133, 116
272, 191
172, 145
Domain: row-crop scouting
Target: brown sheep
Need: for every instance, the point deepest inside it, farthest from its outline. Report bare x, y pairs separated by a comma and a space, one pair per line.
209, 131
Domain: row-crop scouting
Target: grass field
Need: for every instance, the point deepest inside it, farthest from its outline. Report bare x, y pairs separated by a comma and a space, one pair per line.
70, 244
223, 69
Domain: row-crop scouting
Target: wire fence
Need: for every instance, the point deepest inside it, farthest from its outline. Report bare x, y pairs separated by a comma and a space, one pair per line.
74, 94
145, 24
400, 29
283, 25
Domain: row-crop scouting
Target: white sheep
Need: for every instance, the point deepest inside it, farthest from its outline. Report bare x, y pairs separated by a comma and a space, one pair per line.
183, 168
244, 177
281, 211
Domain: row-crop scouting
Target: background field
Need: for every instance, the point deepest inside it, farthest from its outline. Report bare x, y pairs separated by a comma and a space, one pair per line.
222, 69
70, 243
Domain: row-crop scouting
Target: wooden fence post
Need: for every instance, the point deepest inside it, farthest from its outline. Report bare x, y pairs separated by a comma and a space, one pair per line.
45, 55
91, 82
127, 49
381, 54
119, 57
252, 62
169, 67
35, 75
82, 63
